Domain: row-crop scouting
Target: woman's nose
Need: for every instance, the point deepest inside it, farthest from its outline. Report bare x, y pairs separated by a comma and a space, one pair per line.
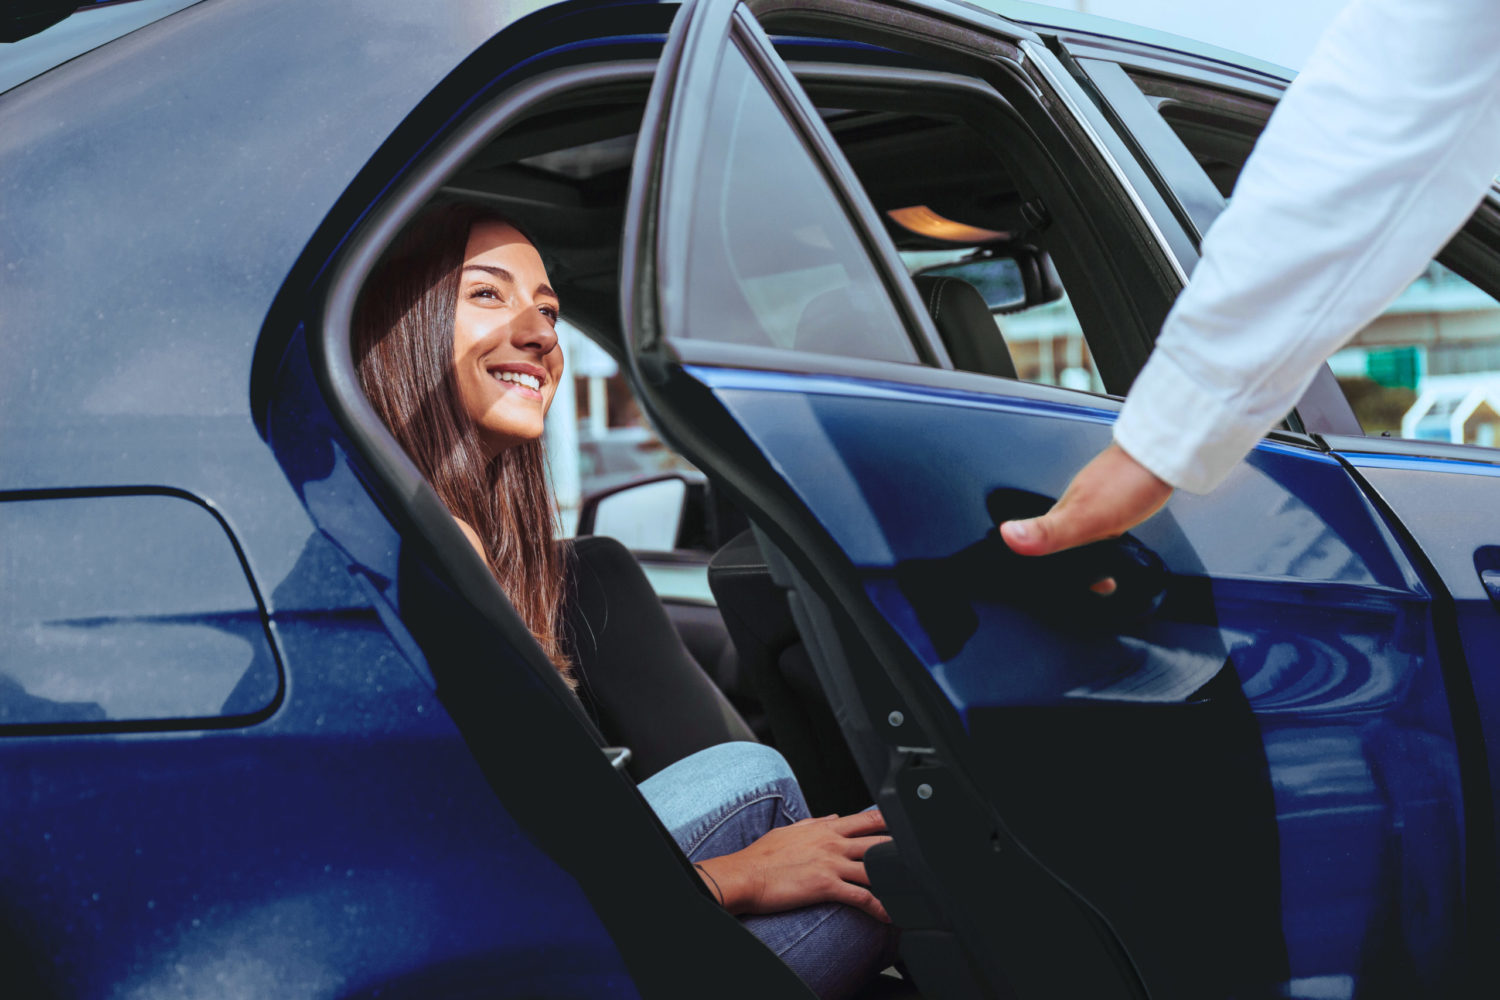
532, 331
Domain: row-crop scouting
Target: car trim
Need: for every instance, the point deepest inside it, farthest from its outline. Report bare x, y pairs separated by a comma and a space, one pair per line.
846, 189
1039, 57
803, 364
1139, 57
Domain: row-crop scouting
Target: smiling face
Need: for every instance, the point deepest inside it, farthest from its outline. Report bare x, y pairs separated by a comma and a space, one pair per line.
505, 351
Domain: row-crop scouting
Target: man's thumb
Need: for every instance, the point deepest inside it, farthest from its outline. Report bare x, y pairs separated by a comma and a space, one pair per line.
1030, 537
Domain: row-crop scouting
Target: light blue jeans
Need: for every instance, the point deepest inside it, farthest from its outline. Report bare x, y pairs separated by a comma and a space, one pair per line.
722, 799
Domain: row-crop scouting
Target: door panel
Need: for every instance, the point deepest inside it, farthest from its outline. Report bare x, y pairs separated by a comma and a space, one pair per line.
1449, 509
1235, 777
1266, 754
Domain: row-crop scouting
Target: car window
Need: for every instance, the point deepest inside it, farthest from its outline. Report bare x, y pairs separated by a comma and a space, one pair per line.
1046, 341
1428, 367
954, 208
771, 259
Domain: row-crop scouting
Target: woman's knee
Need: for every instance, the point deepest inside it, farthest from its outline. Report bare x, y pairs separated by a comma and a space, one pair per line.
753, 765
704, 782
744, 766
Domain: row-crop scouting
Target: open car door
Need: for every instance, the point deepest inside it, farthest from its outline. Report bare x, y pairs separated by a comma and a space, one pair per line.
1236, 776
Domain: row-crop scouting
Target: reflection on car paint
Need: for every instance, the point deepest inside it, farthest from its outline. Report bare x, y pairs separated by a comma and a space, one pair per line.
1313, 610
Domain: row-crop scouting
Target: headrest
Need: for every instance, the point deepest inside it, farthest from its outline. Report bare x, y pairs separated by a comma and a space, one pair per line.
969, 331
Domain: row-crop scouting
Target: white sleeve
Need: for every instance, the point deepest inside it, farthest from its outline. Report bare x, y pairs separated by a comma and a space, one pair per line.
1378, 153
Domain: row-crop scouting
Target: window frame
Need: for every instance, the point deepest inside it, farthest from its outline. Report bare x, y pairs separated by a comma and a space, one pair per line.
1244, 106
1106, 179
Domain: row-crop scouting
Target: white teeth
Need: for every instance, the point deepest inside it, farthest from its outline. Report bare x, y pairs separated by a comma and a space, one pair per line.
520, 378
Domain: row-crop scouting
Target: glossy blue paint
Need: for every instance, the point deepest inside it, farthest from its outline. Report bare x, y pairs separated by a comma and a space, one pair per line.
103, 622
346, 846
1287, 574
1448, 507
349, 843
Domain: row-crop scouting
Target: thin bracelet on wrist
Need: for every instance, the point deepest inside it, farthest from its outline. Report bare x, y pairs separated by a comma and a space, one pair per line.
713, 881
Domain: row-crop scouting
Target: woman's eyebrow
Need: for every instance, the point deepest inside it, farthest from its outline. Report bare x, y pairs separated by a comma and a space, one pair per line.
501, 274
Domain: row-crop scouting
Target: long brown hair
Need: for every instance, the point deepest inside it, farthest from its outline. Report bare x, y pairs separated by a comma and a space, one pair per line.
403, 347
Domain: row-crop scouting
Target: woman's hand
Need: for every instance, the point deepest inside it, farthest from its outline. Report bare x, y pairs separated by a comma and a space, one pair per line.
811, 861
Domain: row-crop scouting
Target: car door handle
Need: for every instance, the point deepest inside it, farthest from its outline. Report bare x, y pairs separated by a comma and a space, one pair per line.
945, 591
1487, 564
1491, 580
1064, 580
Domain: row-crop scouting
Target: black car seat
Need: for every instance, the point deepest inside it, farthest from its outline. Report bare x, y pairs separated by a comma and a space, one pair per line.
771, 653
837, 322
637, 680
969, 330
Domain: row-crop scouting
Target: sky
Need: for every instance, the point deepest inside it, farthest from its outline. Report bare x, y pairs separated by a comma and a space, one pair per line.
1279, 31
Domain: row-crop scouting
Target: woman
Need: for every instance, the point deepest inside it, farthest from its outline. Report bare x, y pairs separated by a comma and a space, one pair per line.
457, 350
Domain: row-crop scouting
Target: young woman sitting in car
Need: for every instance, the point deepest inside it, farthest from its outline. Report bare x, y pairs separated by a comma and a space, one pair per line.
457, 350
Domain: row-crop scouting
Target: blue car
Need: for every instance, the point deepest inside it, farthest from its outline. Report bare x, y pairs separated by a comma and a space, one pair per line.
882, 270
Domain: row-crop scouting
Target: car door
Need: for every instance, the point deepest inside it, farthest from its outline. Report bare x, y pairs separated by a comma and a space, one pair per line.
1196, 120
1239, 774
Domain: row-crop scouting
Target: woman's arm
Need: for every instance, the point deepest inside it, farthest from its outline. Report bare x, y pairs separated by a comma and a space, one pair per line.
811, 861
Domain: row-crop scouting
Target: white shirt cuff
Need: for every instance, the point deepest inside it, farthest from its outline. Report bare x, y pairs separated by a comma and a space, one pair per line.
1181, 431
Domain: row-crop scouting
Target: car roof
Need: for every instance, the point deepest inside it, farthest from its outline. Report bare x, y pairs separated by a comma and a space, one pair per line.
1046, 19
156, 191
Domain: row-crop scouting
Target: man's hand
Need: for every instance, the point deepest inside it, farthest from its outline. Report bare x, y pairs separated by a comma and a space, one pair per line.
811, 861
1108, 497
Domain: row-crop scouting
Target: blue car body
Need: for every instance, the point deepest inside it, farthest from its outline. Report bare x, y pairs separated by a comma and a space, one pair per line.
387, 793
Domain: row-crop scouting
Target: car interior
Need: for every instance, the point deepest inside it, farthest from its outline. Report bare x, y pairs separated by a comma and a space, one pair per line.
946, 190
954, 196
959, 179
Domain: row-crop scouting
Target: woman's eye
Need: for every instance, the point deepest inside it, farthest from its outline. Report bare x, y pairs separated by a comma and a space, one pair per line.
484, 292
551, 313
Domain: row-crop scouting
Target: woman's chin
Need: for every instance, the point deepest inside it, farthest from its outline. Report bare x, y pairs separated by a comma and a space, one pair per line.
499, 439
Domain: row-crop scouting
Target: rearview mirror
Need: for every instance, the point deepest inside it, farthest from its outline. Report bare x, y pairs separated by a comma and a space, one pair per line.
1010, 280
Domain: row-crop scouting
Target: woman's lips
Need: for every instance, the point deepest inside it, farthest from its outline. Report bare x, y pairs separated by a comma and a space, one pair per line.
527, 380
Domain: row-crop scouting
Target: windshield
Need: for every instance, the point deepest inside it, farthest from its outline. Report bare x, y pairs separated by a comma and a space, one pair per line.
88, 27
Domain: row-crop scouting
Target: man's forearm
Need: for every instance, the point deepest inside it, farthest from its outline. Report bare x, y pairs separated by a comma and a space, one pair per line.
1378, 153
